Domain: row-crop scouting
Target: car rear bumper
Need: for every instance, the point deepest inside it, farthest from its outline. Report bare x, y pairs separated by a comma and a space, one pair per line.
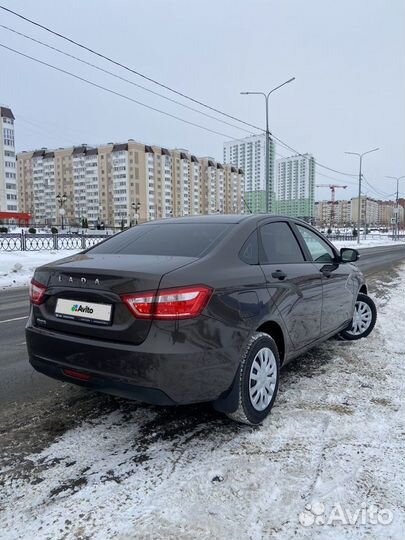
159, 371
103, 383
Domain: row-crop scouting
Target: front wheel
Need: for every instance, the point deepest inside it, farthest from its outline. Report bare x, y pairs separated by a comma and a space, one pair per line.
364, 319
258, 380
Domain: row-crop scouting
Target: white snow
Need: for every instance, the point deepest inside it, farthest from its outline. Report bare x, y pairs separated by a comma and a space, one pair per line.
335, 437
368, 242
17, 267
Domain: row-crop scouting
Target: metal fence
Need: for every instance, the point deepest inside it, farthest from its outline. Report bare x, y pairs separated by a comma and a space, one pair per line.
37, 242
350, 237
344, 237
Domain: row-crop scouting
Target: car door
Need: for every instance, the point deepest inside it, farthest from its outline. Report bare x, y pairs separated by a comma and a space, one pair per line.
338, 293
294, 284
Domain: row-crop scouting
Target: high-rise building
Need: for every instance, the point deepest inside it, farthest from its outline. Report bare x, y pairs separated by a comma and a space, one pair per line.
249, 154
295, 186
116, 184
8, 174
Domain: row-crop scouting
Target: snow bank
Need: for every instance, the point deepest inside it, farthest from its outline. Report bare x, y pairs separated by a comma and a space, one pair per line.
335, 437
17, 267
368, 242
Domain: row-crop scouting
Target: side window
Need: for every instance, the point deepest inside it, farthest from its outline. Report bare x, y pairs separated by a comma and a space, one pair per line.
319, 250
279, 244
249, 252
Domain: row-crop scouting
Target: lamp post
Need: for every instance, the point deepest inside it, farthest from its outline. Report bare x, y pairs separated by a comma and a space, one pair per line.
397, 178
135, 207
99, 221
360, 156
61, 199
267, 154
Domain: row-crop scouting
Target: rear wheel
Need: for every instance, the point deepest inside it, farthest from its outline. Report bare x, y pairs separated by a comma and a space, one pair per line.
364, 319
258, 380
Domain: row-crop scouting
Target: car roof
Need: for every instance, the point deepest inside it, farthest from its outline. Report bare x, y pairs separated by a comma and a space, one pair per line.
217, 218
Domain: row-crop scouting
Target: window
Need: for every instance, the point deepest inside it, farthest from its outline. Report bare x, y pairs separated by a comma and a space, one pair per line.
279, 244
250, 250
319, 250
165, 240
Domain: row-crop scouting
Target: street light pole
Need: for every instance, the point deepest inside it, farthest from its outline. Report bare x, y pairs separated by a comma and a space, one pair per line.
397, 178
61, 199
267, 146
135, 207
360, 178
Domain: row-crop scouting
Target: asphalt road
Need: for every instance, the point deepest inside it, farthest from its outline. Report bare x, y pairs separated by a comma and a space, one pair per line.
374, 259
20, 383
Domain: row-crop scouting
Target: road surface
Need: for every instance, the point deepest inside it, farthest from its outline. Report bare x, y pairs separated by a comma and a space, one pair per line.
20, 383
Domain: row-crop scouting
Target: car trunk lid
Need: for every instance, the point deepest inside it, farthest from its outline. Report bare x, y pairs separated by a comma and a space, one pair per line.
90, 281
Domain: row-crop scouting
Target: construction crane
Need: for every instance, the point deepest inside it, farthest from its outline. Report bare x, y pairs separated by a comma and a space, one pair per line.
332, 188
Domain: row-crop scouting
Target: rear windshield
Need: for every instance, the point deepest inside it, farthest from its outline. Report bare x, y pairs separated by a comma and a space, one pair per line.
176, 239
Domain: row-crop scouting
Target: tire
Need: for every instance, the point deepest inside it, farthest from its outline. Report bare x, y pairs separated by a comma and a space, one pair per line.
260, 359
362, 325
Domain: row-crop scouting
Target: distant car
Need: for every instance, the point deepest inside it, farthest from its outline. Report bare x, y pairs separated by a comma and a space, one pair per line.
195, 309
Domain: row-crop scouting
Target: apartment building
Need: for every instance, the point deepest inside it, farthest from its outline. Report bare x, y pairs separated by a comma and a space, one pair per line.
387, 211
249, 154
337, 215
295, 186
368, 210
8, 171
345, 212
116, 184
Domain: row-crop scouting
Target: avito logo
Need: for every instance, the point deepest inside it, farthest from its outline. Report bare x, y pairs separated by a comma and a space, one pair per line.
78, 308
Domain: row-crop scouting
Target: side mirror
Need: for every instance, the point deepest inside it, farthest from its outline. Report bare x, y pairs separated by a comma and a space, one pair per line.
349, 255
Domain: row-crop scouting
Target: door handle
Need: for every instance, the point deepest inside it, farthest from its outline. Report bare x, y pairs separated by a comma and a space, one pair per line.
278, 274
326, 272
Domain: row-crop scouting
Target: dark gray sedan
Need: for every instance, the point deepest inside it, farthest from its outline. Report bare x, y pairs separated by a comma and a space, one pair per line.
194, 309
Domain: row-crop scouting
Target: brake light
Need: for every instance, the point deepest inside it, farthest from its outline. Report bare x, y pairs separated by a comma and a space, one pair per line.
37, 292
179, 303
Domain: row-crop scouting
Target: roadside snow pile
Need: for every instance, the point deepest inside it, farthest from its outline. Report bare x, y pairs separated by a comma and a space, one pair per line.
327, 463
17, 267
368, 242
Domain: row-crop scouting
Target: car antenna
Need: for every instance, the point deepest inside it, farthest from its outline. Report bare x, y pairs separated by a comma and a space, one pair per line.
247, 206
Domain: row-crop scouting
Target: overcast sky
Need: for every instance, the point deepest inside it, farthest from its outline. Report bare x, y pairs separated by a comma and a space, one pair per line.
347, 57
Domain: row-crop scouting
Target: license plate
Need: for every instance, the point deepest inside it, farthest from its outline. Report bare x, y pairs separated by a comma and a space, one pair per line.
83, 311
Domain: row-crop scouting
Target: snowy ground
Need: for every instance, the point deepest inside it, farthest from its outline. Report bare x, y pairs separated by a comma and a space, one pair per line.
85, 466
17, 267
368, 242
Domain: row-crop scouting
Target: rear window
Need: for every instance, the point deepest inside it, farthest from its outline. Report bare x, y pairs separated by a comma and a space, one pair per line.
175, 239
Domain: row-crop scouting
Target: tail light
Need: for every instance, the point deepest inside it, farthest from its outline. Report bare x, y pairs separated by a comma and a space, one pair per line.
179, 303
37, 292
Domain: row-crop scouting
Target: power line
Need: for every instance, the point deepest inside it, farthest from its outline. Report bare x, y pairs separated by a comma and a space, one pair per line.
162, 85
124, 96
116, 93
50, 130
377, 191
303, 155
353, 182
123, 66
122, 78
